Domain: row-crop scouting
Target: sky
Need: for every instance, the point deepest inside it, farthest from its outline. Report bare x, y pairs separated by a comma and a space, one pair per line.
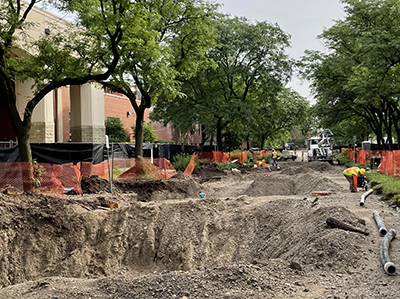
303, 20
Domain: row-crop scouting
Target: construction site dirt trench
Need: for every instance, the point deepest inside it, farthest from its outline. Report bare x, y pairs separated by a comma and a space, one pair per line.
257, 233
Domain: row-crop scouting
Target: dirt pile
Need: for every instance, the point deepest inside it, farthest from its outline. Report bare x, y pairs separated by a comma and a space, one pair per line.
94, 184
156, 190
301, 184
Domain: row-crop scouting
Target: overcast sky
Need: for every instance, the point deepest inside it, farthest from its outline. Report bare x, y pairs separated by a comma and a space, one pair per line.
304, 20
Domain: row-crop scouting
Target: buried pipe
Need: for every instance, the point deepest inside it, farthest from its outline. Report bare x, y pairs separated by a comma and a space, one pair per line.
388, 266
364, 196
381, 226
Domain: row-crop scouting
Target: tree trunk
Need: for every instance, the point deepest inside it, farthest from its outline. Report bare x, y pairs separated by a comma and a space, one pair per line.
262, 142
219, 135
203, 136
389, 128
26, 157
139, 133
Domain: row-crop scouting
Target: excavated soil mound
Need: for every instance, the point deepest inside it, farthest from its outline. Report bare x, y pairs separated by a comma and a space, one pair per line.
302, 184
153, 190
94, 184
320, 166
295, 168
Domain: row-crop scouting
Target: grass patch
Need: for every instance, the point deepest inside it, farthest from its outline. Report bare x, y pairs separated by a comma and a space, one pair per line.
116, 172
385, 184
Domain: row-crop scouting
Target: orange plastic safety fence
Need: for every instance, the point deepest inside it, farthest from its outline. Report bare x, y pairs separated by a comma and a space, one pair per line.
258, 155
42, 177
205, 157
144, 169
244, 157
396, 163
389, 163
350, 153
235, 156
89, 169
362, 156
166, 168
220, 157
189, 169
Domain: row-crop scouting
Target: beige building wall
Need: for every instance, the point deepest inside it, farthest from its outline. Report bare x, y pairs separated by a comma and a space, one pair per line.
42, 20
87, 113
48, 119
42, 118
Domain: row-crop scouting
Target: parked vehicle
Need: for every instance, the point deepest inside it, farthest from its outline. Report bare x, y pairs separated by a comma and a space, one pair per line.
320, 147
289, 152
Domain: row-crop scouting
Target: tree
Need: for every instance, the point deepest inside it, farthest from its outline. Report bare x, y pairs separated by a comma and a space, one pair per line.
274, 120
251, 66
180, 33
115, 130
359, 78
149, 134
70, 57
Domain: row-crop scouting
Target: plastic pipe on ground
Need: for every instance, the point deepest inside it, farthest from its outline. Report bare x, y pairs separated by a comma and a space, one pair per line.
364, 196
388, 266
381, 226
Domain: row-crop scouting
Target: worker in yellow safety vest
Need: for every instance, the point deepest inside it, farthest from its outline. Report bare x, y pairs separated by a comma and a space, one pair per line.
274, 158
351, 174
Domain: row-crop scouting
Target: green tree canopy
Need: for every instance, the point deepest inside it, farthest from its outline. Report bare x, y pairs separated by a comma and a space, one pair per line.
359, 77
71, 56
180, 32
250, 67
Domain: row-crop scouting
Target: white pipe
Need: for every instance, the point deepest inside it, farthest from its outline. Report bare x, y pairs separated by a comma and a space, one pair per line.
364, 196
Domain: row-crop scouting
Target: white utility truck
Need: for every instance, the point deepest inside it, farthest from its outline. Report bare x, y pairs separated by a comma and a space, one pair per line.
320, 147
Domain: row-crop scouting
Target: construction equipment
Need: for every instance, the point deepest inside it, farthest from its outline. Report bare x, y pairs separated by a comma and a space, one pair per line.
320, 147
289, 152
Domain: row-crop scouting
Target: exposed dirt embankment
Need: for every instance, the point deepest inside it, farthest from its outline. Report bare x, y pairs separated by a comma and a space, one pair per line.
257, 234
58, 237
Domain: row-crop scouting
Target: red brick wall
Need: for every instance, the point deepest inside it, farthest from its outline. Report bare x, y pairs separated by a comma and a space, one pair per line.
169, 134
163, 132
117, 105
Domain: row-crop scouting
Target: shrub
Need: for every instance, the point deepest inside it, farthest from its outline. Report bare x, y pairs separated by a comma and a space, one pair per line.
344, 158
149, 134
115, 130
225, 166
165, 141
181, 161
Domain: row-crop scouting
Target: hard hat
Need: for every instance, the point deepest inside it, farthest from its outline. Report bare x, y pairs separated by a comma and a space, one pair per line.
362, 171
